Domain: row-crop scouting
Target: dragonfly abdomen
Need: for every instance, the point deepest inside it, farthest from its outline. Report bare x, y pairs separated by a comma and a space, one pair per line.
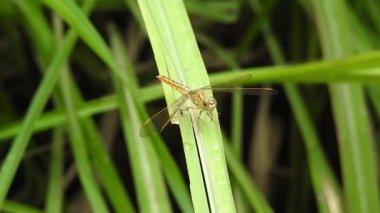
177, 86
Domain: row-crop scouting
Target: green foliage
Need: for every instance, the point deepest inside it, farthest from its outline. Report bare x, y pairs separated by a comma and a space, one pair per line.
323, 66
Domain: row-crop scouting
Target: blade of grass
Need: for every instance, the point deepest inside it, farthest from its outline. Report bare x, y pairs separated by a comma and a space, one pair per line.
173, 37
350, 113
54, 195
11, 206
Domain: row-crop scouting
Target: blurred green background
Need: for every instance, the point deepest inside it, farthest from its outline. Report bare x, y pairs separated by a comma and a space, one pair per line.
77, 79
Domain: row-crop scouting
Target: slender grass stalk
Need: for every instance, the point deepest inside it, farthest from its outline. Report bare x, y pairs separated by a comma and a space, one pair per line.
173, 37
54, 195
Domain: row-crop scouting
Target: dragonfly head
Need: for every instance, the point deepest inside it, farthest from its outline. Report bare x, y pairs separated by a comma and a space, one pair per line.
209, 103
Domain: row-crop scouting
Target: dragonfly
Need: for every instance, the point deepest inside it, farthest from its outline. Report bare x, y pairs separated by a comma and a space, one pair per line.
199, 98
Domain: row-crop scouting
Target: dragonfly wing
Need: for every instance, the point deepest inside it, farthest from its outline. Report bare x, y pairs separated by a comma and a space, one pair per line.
238, 80
247, 91
162, 118
228, 86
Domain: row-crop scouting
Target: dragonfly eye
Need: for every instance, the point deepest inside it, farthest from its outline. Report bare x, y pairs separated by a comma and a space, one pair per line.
210, 103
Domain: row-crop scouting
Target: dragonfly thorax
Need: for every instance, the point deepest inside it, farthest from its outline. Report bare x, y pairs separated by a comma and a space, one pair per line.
208, 103
201, 100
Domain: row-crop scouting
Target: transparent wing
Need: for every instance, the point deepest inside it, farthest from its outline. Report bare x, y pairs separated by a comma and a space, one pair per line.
247, 91
227, 86
238, 80
162, 118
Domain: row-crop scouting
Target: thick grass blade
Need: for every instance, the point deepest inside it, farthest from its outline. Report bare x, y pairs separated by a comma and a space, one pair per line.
178, 58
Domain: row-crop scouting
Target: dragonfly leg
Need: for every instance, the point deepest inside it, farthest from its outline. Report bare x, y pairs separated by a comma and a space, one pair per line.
209, 114
179, 113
